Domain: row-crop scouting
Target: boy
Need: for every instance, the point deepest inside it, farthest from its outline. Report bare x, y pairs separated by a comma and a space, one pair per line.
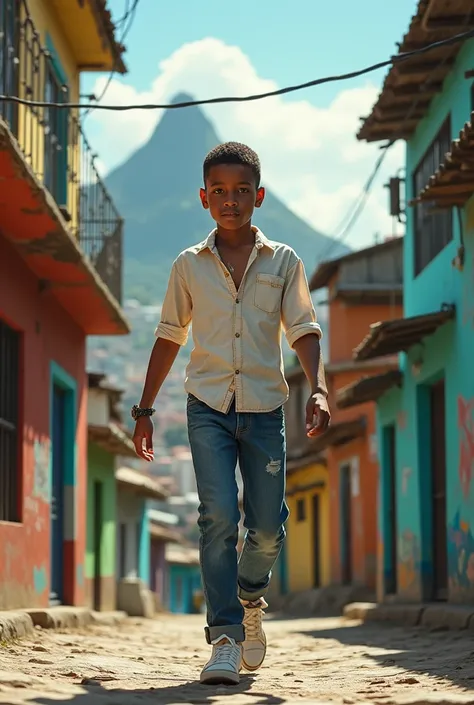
239, 289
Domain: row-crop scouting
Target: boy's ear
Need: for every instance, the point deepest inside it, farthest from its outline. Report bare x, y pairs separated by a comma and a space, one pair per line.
203, 197
260, 197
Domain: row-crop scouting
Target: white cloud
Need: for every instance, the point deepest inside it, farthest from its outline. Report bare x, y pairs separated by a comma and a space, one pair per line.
310, 155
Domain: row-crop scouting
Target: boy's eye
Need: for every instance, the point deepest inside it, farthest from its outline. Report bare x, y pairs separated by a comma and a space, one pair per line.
243, 189
218, 190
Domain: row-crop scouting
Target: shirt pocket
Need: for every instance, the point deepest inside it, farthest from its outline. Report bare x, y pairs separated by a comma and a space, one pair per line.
268, 292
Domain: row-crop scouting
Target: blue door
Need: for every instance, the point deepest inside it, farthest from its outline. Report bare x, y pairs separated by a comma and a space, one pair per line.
57, 495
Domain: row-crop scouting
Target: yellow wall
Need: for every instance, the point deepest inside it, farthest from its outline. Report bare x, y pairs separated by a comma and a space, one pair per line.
300, 546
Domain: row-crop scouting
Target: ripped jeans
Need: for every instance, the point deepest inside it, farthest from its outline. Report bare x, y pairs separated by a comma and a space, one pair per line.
257, 442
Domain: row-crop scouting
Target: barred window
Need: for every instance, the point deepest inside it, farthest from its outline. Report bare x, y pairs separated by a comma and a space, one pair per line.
433, 229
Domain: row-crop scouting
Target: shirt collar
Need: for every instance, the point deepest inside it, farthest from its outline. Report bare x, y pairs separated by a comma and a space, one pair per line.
260, 240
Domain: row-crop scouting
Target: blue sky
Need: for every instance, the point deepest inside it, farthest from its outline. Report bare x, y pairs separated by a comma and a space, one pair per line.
306, 140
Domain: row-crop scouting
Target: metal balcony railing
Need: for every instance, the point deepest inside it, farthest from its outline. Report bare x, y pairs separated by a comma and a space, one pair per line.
53, 141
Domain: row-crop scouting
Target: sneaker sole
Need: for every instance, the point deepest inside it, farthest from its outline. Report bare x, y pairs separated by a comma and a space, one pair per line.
251, 669
220, 678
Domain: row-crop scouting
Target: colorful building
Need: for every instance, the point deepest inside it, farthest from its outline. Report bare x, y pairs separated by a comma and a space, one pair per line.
307, 559
134, 488
426, 420
184, 586
362, 286
108, 441
163, 531
60, 280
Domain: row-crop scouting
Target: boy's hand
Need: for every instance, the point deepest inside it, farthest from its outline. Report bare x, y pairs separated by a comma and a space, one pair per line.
143, 438
318, 416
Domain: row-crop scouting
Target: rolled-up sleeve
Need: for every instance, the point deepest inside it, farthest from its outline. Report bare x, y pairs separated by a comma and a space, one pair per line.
176, 312
298, 314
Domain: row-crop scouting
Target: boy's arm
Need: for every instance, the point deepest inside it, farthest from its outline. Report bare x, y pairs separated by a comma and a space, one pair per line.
303, 333
171, 333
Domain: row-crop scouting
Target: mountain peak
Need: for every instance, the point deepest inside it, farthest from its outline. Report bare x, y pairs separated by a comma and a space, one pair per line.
182, 98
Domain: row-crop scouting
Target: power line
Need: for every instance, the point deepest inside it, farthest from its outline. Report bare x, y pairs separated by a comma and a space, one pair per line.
130, 12
397, 59
365, 193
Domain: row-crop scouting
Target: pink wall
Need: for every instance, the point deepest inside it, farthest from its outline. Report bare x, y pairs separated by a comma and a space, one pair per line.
49, 335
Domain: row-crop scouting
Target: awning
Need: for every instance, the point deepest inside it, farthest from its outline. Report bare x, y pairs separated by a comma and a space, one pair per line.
181, 555
141, 484
164, 534
452, 184
339, 434
367, 389
295, 463
112, 439
421, 77
400, 334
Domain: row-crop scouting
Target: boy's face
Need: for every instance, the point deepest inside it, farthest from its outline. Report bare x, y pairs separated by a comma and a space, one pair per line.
231, 195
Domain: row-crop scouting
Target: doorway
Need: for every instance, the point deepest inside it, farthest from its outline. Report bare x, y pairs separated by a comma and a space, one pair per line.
346, 523
62, 574
390, 503
57, 495
98, 535
316, 540
438, 490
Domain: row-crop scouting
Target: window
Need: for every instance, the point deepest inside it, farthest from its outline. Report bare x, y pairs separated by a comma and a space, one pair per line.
300, 510
56, 122
9, 65
9, 424
433, 230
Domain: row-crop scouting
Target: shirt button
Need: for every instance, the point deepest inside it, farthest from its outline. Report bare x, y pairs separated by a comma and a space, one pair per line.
237, 372
226, 274
237, 301
237, 335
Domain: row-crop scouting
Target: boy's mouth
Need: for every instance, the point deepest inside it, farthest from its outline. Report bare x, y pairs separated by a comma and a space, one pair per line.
230, 214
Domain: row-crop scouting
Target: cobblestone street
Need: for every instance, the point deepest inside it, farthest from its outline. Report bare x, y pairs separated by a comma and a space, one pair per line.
314, 660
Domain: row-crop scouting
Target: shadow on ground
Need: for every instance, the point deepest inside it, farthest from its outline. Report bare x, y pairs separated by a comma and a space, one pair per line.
192, 693
442, 654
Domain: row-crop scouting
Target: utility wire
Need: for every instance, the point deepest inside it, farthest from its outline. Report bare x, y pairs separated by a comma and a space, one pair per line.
130, 12
397, 59
365, 193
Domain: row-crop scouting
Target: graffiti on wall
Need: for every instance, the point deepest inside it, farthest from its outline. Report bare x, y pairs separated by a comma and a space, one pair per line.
466, 443
406, 474
408, 561
460, 553
41, 484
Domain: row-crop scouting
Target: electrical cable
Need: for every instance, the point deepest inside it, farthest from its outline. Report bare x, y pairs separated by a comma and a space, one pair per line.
365, 193
130, 12
397, 59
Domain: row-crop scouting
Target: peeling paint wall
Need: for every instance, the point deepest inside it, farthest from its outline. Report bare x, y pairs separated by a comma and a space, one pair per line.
446, 355
48, 335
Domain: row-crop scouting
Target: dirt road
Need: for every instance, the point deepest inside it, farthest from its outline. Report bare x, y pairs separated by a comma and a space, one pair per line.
309, 661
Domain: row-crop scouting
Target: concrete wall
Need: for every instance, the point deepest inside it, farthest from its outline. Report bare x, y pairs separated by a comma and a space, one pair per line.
101, 468
447, 354
49, 336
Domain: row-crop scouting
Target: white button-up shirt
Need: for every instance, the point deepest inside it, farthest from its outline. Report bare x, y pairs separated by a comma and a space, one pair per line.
237, 334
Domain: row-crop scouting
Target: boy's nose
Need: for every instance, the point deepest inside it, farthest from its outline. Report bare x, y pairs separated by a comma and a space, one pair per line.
231, 201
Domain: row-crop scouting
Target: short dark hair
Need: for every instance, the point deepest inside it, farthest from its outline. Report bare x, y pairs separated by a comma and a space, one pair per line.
233, 153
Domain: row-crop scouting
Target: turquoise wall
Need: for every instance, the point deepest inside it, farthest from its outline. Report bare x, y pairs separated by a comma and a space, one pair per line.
449, 354
144, 555
184, 580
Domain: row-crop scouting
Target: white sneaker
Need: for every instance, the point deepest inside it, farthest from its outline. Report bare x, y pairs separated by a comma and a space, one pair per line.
225, 663
254, 647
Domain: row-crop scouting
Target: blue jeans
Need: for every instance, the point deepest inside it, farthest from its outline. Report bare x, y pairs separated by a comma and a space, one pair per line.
257, 441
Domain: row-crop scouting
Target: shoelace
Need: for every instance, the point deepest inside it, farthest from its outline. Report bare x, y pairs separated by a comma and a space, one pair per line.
253, 623
228, 653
